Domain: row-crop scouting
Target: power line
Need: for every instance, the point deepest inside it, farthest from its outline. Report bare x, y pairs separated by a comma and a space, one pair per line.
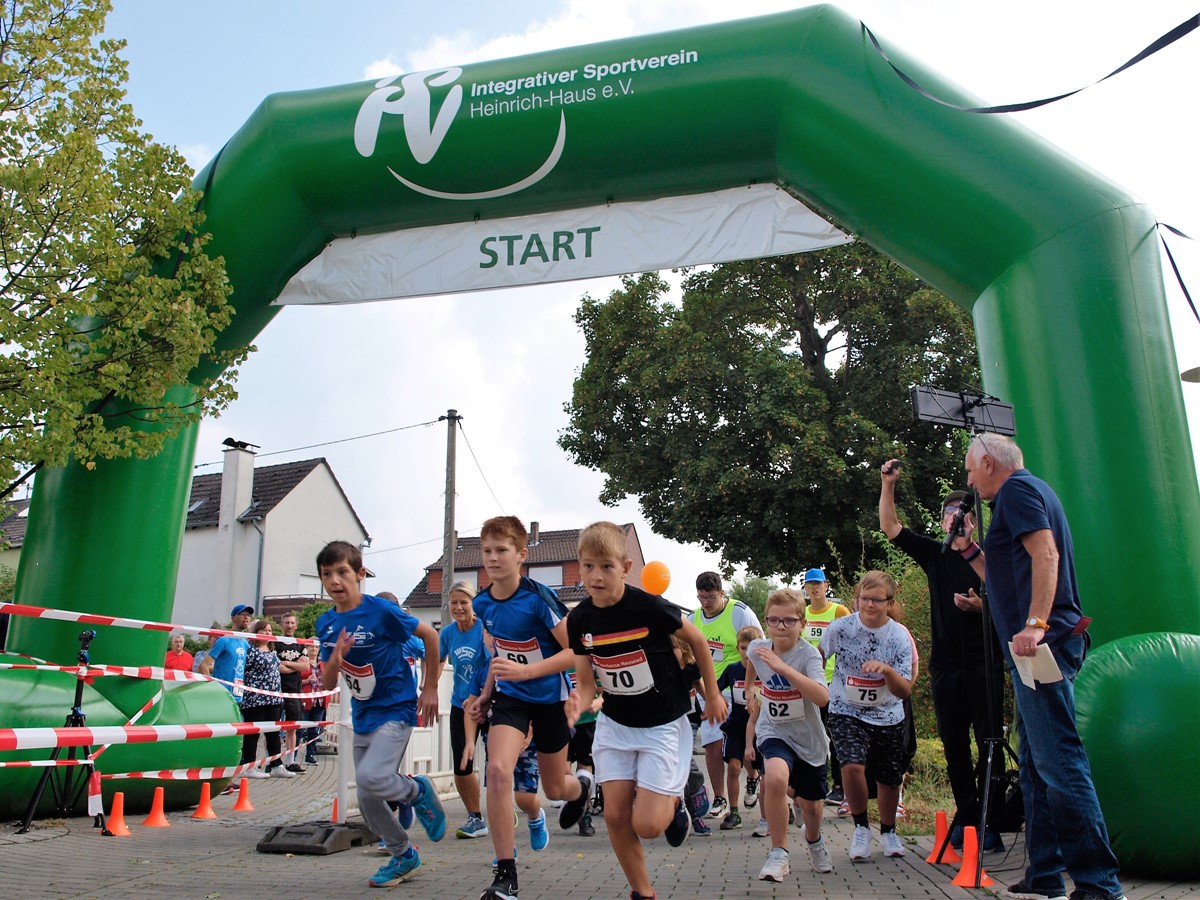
415, 544
479, 467
357, 437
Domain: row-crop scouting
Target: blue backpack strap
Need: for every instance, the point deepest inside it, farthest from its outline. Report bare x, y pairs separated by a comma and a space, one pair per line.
547, 594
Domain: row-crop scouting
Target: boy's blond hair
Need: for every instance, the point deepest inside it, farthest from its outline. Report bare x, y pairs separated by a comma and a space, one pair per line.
788, 597
604, 540
508, 527
748, 633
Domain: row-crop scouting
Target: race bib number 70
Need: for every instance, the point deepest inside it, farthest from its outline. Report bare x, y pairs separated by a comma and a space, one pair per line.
627, 674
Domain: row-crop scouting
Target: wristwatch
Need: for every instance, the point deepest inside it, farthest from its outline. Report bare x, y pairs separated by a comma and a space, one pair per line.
1035, 622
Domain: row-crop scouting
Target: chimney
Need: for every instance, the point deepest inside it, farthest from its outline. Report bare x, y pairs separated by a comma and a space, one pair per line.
237, 484
534, 538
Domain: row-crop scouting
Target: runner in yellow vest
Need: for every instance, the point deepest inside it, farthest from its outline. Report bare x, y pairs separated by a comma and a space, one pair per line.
719, 619
823, 609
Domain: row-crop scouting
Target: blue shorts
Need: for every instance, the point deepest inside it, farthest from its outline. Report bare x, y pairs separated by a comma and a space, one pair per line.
807, 780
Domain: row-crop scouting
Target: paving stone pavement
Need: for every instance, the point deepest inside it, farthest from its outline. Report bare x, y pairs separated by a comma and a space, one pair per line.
217, 859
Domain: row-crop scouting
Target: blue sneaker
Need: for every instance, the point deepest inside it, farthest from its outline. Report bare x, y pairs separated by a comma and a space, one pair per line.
397, 869
496, 859
700, 827
698, 803
475, 827
404, 813
428, 808
539, 836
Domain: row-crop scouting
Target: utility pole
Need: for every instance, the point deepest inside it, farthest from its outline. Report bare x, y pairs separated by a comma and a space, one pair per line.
449, 536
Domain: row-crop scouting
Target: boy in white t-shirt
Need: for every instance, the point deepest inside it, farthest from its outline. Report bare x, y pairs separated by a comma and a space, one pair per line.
872, 677
785, 725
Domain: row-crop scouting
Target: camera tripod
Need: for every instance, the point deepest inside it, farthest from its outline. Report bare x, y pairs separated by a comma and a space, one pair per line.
63, 788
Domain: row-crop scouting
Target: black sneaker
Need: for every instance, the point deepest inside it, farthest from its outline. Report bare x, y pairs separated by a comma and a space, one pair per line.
504, 886
585, 825
1084, 893
598, 801
835, 796
572, 810
295, 767
1022, 891
676, 832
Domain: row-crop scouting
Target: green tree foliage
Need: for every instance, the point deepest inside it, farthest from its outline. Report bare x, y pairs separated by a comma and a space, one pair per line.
752, 417
306, 617
753, 592
108, 297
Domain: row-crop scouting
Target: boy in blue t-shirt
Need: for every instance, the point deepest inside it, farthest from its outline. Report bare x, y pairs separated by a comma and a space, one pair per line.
526, 688
362, 645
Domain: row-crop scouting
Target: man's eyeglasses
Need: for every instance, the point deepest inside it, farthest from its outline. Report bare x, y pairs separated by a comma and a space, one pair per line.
878, 601
777, 622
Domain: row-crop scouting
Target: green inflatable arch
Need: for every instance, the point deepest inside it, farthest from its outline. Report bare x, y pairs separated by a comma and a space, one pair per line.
1059, 267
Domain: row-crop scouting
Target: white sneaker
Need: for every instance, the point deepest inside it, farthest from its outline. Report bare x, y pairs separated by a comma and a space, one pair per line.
818, 855
761, 829
892, 845
281, 772
776, 866
860, 844
255, 773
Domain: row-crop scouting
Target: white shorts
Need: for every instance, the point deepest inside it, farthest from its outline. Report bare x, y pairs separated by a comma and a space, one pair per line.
710, 732
656, 758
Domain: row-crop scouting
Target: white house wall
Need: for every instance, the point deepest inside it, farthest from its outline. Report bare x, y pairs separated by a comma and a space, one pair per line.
314, 513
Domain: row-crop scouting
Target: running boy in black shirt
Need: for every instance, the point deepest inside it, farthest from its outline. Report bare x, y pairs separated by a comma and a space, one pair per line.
643, 739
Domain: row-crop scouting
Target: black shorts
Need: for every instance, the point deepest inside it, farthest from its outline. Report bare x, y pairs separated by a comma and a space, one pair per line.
579, 749
734, 747
458, 740
882, 749
549, 721
293, 709
807, 780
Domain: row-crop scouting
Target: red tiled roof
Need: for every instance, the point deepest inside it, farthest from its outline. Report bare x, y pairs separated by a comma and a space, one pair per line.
12, 528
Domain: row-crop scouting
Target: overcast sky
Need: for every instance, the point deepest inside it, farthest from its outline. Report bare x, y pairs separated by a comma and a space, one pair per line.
506, 360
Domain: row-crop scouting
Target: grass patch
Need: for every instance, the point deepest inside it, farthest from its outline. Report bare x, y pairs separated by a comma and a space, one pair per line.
926, 790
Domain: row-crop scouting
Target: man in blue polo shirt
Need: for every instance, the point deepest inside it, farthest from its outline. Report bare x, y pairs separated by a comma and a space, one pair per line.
226, 661
1034, 599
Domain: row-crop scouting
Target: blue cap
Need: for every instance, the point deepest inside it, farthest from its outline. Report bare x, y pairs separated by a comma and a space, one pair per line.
241, 608
814, 575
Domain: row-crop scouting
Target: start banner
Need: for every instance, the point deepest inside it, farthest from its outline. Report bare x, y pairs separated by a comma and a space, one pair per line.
615, 239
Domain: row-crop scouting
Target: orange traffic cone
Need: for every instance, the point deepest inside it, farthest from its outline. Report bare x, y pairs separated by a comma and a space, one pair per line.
157, 819
966, 875
941, 838
205, 810
243, 800
116, 818
333, 817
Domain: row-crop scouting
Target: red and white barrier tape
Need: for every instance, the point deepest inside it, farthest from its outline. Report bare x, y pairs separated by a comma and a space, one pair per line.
65, 615
158, 673
46, 738
212, 773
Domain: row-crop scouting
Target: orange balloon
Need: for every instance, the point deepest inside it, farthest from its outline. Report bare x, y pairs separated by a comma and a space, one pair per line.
656, 577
